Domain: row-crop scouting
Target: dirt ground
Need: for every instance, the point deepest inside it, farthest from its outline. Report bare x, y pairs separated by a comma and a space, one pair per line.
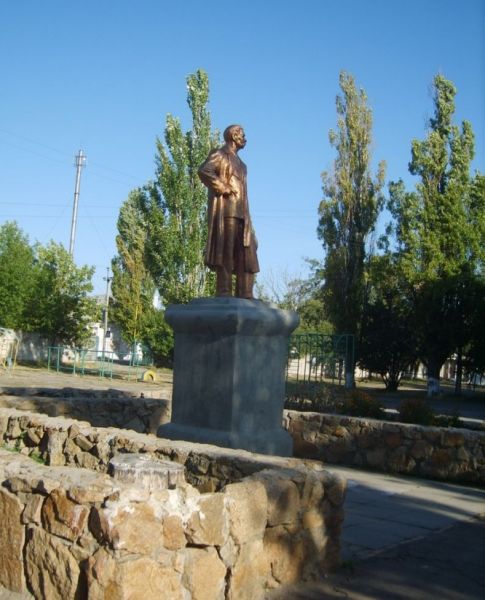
33, 379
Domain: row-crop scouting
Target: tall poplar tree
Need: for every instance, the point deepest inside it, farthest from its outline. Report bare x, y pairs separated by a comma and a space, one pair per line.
349, 209
177, 201
440, 231
132, 287
162, 230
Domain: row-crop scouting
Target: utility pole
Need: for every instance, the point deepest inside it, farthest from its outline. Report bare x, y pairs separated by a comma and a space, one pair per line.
106, 304
80, 163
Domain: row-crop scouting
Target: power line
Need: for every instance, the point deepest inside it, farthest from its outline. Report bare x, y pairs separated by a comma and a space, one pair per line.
64, 153
31, 141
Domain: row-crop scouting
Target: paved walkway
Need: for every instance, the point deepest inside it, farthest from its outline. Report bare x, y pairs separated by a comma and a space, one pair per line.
405, 538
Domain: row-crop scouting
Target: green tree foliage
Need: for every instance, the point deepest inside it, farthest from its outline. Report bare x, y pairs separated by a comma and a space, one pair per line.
388, 343
448, 315
349, 209
440, 230
132, 286
474, 351
440, 226
158, 337
16, 274
176, 202
59, 307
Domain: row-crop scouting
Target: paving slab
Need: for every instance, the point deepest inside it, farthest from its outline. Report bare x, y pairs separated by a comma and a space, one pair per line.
405, 538
446, 565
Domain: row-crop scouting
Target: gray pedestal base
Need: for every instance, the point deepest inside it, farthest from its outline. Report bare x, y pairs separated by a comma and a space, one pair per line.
228, 390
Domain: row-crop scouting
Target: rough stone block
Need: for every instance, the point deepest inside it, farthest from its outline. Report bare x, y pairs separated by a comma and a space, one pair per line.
250, 572
421, 449
3, 425
453, 439
62, 517
209, 524
93, 490
52, 572
393, 439
313, 491
204, 574
82, 442
135, 578
335, 492
376, 458
247, 506
85, 460
32, 510
313, 519
173, 532
286, 553
283, 499
129, 527
55, 443
12, 537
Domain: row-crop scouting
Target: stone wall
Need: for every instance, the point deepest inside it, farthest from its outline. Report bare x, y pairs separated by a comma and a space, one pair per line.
239, 525
102, 408
434, 452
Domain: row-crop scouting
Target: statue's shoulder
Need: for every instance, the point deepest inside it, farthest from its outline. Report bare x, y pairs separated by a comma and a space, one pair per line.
217, 154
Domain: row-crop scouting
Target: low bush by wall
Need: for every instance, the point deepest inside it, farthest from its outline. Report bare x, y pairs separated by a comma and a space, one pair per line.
240, 524
437, 453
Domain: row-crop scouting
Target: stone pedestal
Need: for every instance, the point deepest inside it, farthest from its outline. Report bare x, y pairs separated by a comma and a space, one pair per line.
229, 383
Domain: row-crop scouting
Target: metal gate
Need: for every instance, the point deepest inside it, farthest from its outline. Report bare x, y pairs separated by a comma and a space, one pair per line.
316, 357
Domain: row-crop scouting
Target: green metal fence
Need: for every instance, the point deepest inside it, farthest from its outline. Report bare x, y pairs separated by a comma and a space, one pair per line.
316, 357
80, 361
140, 359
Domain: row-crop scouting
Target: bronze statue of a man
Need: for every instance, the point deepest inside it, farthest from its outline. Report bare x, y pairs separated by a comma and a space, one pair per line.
231, 243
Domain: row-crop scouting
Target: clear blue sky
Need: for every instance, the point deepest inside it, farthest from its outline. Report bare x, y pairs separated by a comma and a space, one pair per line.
102, 75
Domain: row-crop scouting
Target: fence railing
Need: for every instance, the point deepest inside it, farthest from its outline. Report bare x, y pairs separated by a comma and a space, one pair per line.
316, 357
80, 361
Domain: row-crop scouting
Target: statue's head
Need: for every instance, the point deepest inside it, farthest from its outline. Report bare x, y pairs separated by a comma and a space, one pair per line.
235, 133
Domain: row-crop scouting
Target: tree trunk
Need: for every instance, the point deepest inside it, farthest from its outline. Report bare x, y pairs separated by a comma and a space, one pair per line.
349, 381
434, 367
392, 383
459, 371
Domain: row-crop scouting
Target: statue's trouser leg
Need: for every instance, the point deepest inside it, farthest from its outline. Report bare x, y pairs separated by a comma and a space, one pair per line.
244, 285
224, 272
244, 280
234, 262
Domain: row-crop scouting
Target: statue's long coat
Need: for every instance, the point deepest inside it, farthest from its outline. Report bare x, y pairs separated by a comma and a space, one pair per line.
222, 170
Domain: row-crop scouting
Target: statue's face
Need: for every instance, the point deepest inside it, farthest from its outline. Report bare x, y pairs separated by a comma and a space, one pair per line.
239, 138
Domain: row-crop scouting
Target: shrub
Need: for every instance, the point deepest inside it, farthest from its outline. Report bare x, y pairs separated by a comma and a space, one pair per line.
447, 421
304, 395
416, 410
360, 404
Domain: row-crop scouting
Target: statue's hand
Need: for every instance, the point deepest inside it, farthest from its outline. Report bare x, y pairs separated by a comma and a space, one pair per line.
230, 191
